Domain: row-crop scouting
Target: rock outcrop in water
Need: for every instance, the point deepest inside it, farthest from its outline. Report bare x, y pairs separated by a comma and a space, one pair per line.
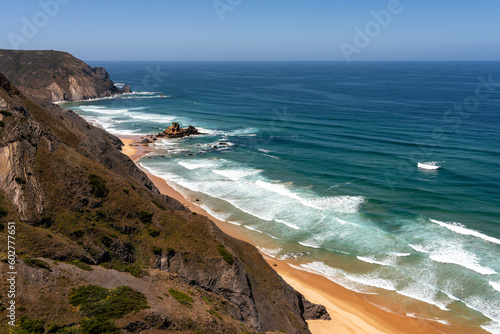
76, 199
175, 131
56, 76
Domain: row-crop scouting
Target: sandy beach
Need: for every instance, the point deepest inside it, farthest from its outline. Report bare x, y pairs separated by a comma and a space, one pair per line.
350, 312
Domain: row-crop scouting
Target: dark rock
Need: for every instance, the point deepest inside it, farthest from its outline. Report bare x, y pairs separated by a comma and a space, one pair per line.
314, 311
126, 89
145, 141
175, 131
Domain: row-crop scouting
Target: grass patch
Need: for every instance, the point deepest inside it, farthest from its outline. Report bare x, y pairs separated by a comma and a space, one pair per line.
133, 270
146, 217
214, 313
103, 304
98, 186
81, 265
207, 300
181, 297
228, 257
35, 263
158, 204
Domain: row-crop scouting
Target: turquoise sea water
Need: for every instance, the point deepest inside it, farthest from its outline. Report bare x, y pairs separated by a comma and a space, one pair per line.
322, 158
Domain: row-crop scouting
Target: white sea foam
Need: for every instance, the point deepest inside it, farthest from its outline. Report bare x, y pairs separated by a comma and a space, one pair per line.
387, 261
311, 242
236, 174
224, 216
423, 294
270, 156
263, 150
155, 118
347, 204
489, 308
461, 229
371, 280
295, 227
453, 253
402, 254
272, 252
495, 285
419, 248
196, 164
441, 321
493, 327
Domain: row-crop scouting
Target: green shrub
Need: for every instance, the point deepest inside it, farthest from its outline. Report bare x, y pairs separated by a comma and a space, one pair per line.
181, 297
228, 257
19, 180
126, 191
5, 113
98, 186
95, 301
170, 250
81, 265
146, 217
30, 326
36, 263
2, 124
98, 326
157, 250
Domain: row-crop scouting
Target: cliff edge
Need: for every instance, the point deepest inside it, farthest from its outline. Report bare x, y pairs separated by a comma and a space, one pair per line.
56, 76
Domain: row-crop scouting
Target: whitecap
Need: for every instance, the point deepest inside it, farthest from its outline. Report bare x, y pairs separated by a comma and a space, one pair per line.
311, 242
272, 252
388, 261
461, 229
236, 174
291, 225
196, 164
415, 291
453, 253
495, 285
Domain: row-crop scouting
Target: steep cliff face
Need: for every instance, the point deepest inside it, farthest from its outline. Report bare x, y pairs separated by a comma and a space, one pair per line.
76, 197
56, 76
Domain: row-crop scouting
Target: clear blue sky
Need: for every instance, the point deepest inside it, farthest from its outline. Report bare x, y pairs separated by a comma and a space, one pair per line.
254, 29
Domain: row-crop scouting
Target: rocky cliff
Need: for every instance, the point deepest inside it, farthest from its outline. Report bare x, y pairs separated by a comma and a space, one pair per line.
88, 220
56, 76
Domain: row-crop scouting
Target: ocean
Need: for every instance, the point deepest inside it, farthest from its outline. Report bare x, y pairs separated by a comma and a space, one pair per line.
322, 158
